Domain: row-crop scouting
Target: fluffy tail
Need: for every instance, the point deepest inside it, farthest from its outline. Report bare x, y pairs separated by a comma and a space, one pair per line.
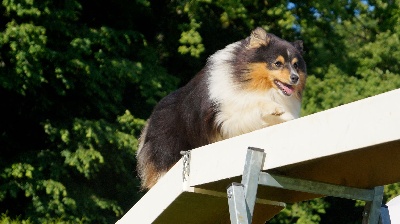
146, 169
147, 172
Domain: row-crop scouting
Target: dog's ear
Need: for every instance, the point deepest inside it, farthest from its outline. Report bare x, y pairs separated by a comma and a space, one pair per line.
298, 44
258, 38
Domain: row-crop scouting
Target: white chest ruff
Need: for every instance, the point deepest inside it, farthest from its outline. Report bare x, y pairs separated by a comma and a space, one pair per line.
249, 112
241, 111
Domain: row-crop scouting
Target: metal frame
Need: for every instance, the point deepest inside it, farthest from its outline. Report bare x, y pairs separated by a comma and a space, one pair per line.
242, 197
385, 217
237, 204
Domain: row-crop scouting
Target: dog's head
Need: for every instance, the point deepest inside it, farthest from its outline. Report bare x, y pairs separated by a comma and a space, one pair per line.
274, 63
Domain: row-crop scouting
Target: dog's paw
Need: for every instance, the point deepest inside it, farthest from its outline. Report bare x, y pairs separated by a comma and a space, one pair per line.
272, 108
273, 114
278, 111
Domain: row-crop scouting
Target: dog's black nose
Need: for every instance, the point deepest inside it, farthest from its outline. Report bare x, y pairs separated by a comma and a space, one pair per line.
294, 78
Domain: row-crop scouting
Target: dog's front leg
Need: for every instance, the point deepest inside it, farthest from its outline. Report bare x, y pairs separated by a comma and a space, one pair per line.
271, 113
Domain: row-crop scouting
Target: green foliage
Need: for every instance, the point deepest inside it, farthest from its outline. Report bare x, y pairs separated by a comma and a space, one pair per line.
26, 42
391, 191
79, 78
68, 135
191, 41
301, 213
4, 219
84, 154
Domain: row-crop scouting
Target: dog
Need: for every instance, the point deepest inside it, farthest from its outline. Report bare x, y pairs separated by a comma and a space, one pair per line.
250, 84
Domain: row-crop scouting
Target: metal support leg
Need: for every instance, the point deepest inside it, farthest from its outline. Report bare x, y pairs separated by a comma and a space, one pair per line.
385, 217
314, 187
237, 204
371, 214
251, 173
242, 197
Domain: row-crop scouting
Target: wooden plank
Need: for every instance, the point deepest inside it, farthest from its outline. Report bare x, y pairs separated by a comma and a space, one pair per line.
158, 199
355, 145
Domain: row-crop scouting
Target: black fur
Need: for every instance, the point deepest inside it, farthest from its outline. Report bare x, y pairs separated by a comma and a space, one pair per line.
181, 121
185, 119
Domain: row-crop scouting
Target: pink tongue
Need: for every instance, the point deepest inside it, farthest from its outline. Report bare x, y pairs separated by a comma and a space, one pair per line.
289, 90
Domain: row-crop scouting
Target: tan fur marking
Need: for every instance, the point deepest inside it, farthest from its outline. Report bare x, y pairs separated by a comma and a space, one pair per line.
280, 59
284, 76
150, 177
262, 79
300, 87
258, 38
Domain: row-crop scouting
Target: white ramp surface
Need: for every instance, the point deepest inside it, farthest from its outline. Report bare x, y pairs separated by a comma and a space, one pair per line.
355, 145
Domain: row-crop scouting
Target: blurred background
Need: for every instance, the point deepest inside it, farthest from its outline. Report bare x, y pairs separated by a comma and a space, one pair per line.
79, 78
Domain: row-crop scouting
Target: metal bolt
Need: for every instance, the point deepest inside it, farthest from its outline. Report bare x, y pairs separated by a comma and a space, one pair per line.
230, 193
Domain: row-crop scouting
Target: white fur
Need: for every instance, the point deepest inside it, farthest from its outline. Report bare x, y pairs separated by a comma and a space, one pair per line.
243, 111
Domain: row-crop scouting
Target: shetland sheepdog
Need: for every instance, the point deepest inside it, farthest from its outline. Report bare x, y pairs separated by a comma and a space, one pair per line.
250, 84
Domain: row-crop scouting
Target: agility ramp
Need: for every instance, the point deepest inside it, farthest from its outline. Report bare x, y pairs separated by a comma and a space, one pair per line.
348, 151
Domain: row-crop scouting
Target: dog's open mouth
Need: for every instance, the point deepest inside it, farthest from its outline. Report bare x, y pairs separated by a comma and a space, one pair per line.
285, 88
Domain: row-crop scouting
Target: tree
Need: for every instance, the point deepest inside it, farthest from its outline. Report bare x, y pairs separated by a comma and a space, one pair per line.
79, 78
68, 135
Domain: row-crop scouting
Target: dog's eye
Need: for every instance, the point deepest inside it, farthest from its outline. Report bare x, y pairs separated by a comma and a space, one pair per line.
278, 64
296, 65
